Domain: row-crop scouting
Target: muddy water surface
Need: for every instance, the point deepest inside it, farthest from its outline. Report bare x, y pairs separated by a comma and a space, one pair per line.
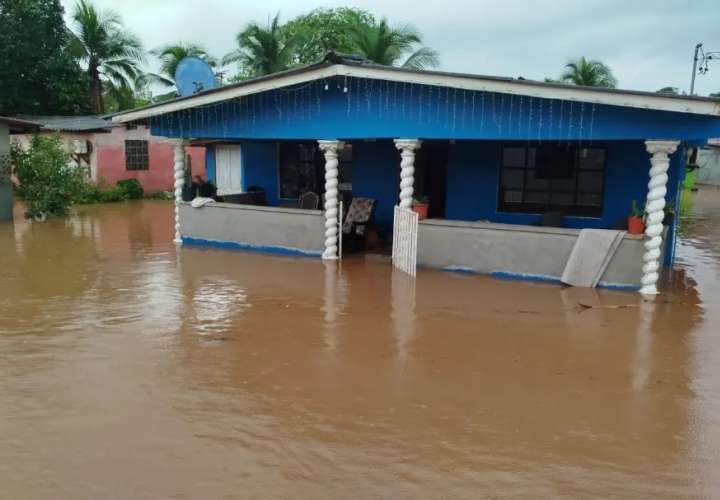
132, 369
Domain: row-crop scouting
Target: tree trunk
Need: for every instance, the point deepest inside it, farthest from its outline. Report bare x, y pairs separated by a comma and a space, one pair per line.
96, 89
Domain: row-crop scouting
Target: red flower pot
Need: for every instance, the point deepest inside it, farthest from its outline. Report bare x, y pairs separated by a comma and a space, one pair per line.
421, 209
635, 225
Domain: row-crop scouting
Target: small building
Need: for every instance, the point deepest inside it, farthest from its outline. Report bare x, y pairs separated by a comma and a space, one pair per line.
112, 152
9, 126
708, 162
494, 156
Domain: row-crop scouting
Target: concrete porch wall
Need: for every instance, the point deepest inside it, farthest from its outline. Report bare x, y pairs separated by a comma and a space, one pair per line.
517, 251
269, 229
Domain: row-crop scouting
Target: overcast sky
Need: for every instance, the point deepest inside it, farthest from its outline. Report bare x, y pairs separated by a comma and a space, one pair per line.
648, 44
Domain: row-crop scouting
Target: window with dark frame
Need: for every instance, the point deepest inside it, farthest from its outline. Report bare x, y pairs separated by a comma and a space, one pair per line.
302, 169
549, 177
298, 172
136, 155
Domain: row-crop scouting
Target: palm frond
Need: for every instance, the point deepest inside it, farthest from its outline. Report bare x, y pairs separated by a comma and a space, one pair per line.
589, 73
388, 45
424, 57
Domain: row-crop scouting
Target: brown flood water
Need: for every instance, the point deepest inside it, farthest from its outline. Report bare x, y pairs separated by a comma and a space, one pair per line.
132, 369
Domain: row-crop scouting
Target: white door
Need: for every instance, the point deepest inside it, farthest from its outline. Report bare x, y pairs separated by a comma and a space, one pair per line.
228, 169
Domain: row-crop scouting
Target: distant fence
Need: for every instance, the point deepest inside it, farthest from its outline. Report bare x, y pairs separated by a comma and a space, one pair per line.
405, 232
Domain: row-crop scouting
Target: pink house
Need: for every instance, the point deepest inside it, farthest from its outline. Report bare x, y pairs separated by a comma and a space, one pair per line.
112, 152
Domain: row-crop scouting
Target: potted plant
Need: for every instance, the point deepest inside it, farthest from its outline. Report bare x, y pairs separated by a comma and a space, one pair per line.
635, 221
189, 192
420, 206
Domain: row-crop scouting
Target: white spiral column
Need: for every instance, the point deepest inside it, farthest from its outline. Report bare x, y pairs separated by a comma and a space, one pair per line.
655, 212
179, 169
407, 149
330, 149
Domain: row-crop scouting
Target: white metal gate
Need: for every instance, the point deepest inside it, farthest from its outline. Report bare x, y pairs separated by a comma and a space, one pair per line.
405, 229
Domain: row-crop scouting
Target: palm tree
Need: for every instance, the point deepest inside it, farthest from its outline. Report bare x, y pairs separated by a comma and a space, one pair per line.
171, 55
110, 52
588, 73
382, 44
263, 50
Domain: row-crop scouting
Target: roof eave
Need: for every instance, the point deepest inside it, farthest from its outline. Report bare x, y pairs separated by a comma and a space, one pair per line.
613, 97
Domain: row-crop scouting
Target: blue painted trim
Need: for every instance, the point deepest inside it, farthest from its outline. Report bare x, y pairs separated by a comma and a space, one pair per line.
536, 278
623, 287
460, 270
234, 245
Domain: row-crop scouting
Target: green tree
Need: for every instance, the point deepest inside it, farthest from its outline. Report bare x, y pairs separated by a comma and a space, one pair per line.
323, 30
122, 97
38, 74
110, 52
47, 181
589, 73
262, 50
668, 90
392, 46
171, 55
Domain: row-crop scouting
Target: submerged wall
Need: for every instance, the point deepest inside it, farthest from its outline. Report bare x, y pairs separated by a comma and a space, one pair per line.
516, 251
269, 229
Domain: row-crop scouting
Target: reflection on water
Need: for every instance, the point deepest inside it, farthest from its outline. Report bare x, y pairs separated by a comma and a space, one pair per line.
133, 369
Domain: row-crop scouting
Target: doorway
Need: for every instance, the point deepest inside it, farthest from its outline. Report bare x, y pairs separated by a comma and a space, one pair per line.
431, 163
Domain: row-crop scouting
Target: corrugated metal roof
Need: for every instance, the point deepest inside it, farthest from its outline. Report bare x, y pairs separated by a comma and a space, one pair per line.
647, 100
71, 123
18, 125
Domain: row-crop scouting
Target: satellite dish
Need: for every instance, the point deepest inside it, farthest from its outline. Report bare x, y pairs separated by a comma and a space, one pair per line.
193, 75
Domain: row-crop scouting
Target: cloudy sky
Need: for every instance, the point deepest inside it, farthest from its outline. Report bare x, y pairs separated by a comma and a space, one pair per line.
648, 44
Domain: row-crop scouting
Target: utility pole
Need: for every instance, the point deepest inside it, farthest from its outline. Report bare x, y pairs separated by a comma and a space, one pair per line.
704, 58
694, 70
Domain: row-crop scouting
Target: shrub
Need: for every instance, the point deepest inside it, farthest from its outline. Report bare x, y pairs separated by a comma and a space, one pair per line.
132, 188
113, 194
129, 189
47, 182
89, 193
161, 195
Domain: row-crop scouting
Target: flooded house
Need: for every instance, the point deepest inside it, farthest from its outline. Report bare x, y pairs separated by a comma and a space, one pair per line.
112, 152
510, 177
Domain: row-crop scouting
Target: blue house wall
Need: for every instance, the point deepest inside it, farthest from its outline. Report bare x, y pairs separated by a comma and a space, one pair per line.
381, 109
376, 174
472, 180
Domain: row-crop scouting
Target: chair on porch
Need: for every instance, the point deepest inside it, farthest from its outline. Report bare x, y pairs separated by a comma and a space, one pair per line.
354, 229
309, 201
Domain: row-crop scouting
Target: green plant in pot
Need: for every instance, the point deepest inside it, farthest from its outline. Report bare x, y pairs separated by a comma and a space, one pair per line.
189, 191
636, 219
421, 205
